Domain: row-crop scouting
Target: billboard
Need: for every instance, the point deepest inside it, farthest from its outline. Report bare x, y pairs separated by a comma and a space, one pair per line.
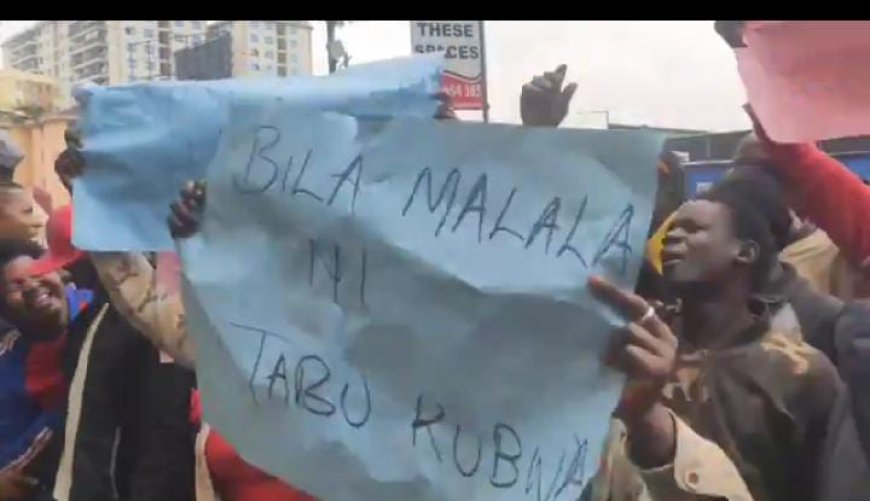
462, 45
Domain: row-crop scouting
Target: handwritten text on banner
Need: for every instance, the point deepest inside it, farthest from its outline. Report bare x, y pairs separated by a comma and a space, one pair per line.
397, 310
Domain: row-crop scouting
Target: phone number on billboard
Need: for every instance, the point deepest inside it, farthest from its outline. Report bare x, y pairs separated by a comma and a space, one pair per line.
458, 90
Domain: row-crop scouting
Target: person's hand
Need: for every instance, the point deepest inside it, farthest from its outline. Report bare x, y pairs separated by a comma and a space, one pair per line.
70, 163
645, 350
16, 486
187, 210
445, 107
543, 101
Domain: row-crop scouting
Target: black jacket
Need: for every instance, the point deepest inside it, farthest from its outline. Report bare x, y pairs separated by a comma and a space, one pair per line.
108, 447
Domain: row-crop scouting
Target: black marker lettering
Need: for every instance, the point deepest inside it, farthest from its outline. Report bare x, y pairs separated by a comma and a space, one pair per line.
258, 150
618, 236
305, 396
256, 361
535, 468
279, 372
334, 272
368, 412
451, 183
463, 471
567, 245
576, 473
362, 279
355, 166
547, 220
501, 455
287, 171
427, 422
476, 202
498, 227
556, 476
298, 181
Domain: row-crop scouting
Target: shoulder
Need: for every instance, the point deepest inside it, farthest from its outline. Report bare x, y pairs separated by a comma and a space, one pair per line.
806, 380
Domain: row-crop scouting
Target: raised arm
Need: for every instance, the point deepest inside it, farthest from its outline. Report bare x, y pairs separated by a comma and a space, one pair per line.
825, 191
132, 285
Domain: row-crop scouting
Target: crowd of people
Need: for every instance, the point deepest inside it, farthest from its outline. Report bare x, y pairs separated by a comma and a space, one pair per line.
746, 350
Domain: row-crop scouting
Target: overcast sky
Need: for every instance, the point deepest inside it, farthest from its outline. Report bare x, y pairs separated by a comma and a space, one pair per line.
662, 73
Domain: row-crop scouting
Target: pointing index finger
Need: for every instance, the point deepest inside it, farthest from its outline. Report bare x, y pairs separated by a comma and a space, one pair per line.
630, 306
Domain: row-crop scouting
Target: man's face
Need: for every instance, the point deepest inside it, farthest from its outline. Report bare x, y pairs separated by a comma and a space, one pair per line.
32, 300
700, 247
18, 219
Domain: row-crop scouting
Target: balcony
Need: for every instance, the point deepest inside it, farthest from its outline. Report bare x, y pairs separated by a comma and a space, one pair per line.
96, 54
92, 70
79, 27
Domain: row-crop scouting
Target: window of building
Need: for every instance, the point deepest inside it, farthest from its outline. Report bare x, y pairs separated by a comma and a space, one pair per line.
293, 43
179, 38
255, 67
269, 54
130, 30
294, 58
292, 30
269, 40
282, 71
131, 47
197, 25
254, 38
149, 33
255, 25
255, 53
197, 39
294, 71
179, 24
269, 25
150, 67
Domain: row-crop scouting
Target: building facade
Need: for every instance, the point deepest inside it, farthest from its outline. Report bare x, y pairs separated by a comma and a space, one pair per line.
102, 52
20, 90
267, 48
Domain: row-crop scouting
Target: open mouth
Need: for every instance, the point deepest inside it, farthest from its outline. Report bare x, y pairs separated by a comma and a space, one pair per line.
41, 299
671, 257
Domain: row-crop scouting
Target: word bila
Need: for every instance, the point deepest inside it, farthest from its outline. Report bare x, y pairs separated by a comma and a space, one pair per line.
263, 172
306, 382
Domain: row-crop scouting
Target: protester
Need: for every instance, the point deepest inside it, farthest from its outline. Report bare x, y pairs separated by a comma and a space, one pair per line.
19, 215
34, 355
718, 254
131, 282
809, 249
97, 365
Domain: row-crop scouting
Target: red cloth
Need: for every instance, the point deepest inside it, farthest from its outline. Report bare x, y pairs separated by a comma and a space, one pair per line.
232, 477
826, 192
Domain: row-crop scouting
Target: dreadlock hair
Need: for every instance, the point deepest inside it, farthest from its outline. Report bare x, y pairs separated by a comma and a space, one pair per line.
749, 225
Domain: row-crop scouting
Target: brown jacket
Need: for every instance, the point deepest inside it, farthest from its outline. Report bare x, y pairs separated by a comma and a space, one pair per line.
765, 401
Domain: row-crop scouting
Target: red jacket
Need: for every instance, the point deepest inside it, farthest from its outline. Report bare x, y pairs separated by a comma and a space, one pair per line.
233, 478
826, 192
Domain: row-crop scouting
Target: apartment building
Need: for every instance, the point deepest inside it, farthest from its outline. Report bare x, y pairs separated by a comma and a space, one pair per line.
20, 89
102, 52
267, 48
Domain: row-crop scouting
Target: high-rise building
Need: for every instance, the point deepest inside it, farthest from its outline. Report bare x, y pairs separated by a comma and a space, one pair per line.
211, 60
102, 52
275, 48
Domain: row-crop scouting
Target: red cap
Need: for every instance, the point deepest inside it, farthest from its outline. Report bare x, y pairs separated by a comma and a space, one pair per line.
61, 252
